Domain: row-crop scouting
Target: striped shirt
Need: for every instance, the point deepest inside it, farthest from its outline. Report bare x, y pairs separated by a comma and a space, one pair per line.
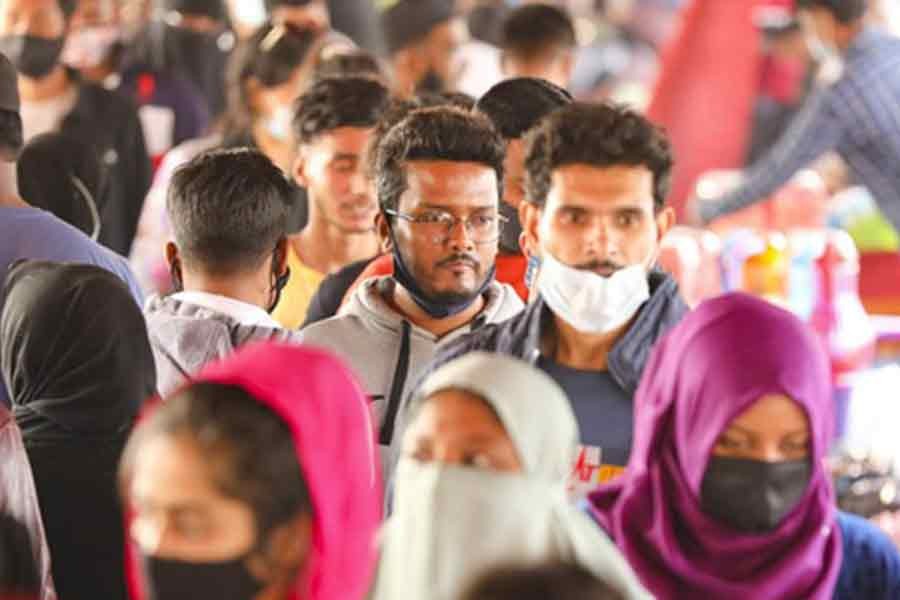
858, 117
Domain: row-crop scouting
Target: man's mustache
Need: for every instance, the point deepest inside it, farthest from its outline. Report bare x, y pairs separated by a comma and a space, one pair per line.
471, 259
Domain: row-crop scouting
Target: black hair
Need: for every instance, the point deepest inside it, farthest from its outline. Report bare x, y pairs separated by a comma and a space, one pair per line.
600, 135
399, 108
515, 106
546, 582
19, 574
12, 137
67, 7
228, 210
357, 63
273, 4
458, 99
339, 102
232, 430
57, 172
534, 29
440, 133
845, 11
271, 56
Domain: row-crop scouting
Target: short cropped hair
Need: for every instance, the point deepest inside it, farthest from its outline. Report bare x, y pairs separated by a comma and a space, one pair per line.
515, 106
600, 135
441, 133
228, 210
535, 29
339, 102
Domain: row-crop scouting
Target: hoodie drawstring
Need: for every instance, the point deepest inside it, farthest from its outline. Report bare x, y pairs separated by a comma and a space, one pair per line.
401, 372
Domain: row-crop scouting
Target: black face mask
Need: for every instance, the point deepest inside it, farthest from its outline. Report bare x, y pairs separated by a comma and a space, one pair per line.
753, 496
177, 580
436, 308
33, 56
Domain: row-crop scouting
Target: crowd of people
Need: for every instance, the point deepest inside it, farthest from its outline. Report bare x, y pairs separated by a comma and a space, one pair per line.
391, 323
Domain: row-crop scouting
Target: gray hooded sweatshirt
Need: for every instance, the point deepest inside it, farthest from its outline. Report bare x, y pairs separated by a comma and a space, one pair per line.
388, 353
185, 337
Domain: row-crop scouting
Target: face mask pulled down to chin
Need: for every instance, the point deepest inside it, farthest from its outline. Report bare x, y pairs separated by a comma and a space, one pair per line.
589, 302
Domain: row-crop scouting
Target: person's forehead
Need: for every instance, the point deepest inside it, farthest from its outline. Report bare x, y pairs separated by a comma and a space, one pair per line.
450, 182
32, 6
343, 139
170, 470
461, 412
600, 185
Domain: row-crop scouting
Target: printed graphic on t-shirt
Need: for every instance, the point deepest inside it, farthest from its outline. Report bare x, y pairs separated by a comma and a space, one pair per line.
589, 471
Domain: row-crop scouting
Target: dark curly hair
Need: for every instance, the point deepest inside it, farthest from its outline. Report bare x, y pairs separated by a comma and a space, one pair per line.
233, 430
600, 135
336, 102
439, 133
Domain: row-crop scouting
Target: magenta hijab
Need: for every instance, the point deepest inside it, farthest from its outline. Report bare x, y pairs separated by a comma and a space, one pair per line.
328, 414
723, 357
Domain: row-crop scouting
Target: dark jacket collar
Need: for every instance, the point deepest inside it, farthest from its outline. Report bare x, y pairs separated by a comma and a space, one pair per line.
626, 360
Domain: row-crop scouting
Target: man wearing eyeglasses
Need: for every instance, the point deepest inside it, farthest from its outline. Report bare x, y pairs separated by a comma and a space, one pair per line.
439, 179
596, 182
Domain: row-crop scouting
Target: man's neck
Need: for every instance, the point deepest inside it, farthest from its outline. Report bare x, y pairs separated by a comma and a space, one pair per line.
9, 190
325, 248
578, 350
848, 35
401, 300
242, 290
52, 86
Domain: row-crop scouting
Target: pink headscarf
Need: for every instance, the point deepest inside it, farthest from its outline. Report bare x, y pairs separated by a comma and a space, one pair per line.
332, 429
723, 357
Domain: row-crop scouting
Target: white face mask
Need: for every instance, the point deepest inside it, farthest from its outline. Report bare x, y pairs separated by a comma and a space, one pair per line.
89, 47
590, 302
279, 124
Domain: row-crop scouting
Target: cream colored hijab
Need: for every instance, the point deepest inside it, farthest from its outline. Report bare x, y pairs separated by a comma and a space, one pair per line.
452, 524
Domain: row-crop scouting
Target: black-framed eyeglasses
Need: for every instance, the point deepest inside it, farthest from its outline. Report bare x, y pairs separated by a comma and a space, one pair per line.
439, 224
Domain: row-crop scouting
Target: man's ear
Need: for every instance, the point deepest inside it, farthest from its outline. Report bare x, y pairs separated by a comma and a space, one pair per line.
299, 168
665, 220
172, 254
530, 217
383, 229
280, 257
567, 66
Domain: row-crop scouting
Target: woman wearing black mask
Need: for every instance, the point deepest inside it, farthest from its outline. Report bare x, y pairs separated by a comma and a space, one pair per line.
257, 481
727, 494
78, 365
